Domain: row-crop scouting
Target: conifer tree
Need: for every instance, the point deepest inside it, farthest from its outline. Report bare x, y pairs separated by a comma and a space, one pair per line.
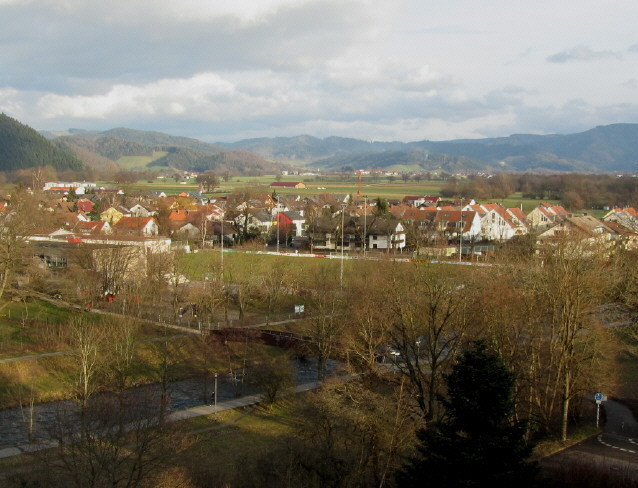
478, 444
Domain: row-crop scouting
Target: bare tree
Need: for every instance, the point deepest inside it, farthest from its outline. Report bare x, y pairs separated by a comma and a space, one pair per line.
428, 321
274, 282
118, 440
326, 322
87, 338
17, 223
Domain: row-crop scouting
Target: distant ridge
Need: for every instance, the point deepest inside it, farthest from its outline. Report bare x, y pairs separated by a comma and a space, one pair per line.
610, 148
181, 153
601, 149
21, 147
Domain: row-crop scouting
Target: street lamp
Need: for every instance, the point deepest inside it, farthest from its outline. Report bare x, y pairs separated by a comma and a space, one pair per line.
365, 223
394, 357
221, 238
215, 394
461, 238
277, 224
343, 211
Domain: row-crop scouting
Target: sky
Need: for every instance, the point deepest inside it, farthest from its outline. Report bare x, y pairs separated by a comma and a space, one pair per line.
225, 70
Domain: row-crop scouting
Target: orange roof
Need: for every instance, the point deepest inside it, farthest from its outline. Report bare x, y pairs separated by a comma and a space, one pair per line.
133, 223
517, 212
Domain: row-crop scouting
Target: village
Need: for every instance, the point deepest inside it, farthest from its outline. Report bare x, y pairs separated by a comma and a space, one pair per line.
414, 226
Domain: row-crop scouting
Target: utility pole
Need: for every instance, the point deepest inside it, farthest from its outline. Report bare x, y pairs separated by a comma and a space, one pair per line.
277, 224
365, 223
461, 238
221, 237
343, 211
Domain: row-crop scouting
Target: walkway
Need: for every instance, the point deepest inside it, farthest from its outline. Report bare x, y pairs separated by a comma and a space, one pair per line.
199, 411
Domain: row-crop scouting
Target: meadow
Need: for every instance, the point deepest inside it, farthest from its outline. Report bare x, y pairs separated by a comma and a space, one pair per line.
316, 185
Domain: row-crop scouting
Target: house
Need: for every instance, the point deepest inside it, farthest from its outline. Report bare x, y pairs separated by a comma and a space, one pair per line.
626, 237
109, 191
501, 224
291, 222
68, 219
139, 210
256, 221
228, 229
545, 215
435, 225
385, 234
93, 228
85, 205
79, 187
323, 234
626, 217
186, 231
428, 201
288, 184
136, 226
584, 228
112, 215
457, 224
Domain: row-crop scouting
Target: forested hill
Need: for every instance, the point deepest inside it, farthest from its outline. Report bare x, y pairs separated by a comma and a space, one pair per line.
22, 147
604, 148
115, 143
180, 153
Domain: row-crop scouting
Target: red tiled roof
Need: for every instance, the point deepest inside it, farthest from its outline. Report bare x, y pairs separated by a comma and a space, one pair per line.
85, 205
133, 223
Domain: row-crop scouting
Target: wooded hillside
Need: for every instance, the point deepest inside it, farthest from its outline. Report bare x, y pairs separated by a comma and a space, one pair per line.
22, 147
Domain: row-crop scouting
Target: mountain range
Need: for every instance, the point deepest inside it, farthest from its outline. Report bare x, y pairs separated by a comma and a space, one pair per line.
611, 148
163, 151
601, 149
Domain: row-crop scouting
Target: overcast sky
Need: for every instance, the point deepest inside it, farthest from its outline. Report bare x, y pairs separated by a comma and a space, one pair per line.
223, 70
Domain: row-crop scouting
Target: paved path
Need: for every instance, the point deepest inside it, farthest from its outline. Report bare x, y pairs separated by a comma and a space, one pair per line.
615, 448
199, 411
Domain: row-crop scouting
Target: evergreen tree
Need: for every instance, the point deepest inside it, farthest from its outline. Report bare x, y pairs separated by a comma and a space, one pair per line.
478, 444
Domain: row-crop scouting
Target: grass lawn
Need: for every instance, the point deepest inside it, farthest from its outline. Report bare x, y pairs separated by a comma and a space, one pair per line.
30, 327
234, 439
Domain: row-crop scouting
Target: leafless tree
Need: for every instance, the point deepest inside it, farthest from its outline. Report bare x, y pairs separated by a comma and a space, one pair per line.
428, 322
17, 223
87, 337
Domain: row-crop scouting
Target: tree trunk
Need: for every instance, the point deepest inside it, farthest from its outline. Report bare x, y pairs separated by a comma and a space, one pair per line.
565, 412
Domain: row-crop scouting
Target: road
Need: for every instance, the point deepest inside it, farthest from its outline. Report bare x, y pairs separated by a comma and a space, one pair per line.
616, 448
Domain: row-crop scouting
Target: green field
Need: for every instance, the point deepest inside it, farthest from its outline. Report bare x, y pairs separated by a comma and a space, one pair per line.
139, 162
390, 190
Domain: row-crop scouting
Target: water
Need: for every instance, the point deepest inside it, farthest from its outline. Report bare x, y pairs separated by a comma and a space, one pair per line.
14, 422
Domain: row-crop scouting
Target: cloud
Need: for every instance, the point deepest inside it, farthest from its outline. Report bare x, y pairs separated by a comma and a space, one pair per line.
581, 53
129, 43
633, 48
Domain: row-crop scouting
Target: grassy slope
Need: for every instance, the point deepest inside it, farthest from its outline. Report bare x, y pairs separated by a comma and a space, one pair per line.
139, 162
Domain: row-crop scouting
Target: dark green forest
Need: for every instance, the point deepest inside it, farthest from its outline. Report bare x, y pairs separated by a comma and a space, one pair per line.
22, 147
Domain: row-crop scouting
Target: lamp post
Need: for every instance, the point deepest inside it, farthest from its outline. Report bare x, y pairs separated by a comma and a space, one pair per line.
221, 238
215, 393
343, 211
277, 224
365, 223
461, 238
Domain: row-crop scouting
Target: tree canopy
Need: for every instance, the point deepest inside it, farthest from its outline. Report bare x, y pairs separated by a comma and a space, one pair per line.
478, 444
